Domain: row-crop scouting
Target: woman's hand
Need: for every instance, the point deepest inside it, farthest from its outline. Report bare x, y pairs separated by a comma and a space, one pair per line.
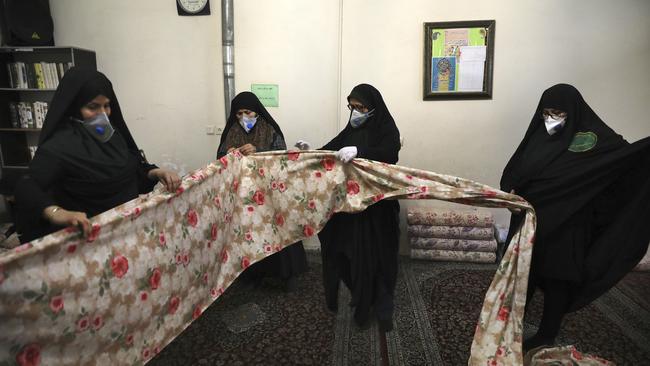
247, 149
62, 217
302, 145
168, 178
346, 154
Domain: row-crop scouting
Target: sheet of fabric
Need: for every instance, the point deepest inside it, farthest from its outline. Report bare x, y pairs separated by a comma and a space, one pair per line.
451, 232
429, 216
464, 245
564, 356
153, 264
454, 255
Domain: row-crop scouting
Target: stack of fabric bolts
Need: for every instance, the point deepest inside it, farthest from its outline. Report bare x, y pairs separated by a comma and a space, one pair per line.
449, 235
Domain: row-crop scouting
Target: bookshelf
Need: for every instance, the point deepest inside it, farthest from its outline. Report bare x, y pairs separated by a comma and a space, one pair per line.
28, 79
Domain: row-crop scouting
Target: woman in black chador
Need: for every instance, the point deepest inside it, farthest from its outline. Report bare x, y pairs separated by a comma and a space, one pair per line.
87, 161
591, 191
249, 129
361, 248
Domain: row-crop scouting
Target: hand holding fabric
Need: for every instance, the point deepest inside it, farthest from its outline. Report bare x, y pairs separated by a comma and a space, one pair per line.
247, 149
62, 217
302, 145
168, 178
346, 154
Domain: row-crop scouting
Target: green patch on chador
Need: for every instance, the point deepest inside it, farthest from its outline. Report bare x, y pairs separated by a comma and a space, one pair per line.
583, 141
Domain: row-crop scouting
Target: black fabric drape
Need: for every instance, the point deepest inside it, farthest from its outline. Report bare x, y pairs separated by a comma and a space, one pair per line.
361, 249
74, 170
591, 202
292, 260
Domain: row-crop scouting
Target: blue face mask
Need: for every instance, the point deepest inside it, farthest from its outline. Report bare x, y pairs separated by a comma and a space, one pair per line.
248, 123
98, 126
357, 118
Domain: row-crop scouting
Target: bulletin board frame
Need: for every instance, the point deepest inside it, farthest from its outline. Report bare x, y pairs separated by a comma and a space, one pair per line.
458, 60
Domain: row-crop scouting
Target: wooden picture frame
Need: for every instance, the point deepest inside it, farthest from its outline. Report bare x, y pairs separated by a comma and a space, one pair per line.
458, 60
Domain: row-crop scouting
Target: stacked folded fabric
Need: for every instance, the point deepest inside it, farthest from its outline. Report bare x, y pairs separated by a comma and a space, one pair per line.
448, 235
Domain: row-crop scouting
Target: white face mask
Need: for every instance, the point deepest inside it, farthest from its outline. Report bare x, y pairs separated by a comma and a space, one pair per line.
553, 124
358, 118
98, 126
247, 122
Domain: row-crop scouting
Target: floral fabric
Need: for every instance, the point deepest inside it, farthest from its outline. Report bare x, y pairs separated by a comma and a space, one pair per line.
451, 232
428, 216
453, 255
454, 244
565, 356
152, 265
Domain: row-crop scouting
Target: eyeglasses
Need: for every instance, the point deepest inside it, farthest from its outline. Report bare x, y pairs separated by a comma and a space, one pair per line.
555, 113
359, 107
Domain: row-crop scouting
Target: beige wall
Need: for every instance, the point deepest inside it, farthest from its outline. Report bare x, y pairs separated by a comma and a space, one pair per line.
167, 70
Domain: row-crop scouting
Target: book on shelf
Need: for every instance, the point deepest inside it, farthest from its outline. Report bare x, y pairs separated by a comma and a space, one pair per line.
40, 111
13, 114
23, 75
10, 75
27, 115
39, 75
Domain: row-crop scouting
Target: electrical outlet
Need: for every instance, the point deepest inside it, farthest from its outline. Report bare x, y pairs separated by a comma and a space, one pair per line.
209, 130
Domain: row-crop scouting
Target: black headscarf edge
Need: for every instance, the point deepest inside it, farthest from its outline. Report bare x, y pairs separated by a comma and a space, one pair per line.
580, 117
247, 100
66, 97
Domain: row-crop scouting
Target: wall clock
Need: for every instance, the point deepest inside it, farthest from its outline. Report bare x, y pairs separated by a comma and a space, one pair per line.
193, 7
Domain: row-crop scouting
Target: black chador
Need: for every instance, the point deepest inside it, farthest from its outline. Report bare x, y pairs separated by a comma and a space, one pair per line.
591, 191
71, 168
361, 249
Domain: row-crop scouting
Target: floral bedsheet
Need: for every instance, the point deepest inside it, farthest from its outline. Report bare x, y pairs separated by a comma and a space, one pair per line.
152, 265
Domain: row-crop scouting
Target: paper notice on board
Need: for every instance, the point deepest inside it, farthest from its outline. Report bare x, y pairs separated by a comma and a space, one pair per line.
472, 53
454, 39
471, 68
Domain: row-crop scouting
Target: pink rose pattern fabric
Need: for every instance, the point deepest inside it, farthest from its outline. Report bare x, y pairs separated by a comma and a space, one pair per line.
152, 265
451, 232
454, 244
565, 356
453, 256
440, 217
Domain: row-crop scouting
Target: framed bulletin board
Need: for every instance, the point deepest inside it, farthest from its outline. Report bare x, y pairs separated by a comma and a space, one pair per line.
458, 60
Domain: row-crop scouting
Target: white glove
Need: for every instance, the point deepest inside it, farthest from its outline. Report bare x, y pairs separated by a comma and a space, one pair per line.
302, 145
347, 153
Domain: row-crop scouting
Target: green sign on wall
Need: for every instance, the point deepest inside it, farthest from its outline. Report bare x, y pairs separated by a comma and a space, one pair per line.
267, 94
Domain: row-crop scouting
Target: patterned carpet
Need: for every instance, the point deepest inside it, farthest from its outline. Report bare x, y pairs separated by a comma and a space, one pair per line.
437, 307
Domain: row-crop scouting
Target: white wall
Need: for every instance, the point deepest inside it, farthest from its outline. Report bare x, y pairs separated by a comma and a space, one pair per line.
601, 47
167, 70
294, 44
